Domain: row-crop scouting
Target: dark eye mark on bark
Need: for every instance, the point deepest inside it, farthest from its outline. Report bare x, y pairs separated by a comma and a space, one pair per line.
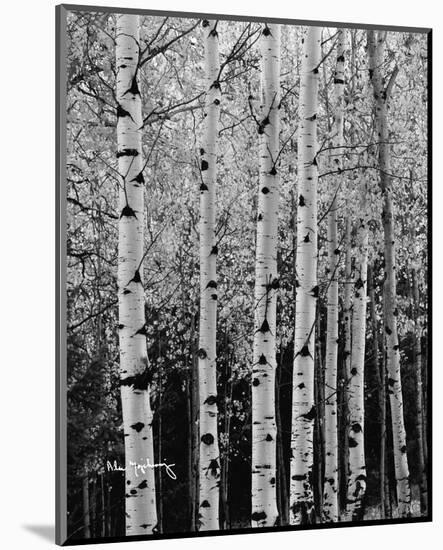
141, 331
128, 212
138, 381
264, 327
136, 278
207, 439
138, 426
310, 415
139, 178
258, 516
134, 87
127, 153
211, 400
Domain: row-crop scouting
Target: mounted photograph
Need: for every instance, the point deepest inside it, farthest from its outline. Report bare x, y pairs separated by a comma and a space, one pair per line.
244, 274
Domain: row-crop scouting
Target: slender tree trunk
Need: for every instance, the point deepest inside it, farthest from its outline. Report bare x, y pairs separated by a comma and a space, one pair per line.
103, 503
195, 437
347, 347
264, 432
377, 366
93, 505
330, 494
224, 482
141, 515
376, 43
86, 512
419, 395
384, 441
207, 362
282, 488
303, 408
190, 443
347, 306
319, 435
159, 444
357, 465
109, 531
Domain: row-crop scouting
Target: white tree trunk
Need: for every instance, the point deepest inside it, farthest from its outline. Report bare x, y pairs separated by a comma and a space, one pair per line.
355, 389
303, 408
347, 299
419, 391
376, 45
141, 516
209, 462
330, 494
264, 432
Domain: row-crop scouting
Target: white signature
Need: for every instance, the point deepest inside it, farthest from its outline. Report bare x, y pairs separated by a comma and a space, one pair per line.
140, 468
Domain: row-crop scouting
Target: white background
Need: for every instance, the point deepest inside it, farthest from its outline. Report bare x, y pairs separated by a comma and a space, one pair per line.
27, 269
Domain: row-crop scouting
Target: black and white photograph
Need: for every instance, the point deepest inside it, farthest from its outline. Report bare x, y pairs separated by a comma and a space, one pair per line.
244, 238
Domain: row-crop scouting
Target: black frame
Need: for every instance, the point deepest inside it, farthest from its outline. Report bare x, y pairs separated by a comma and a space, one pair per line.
60, 276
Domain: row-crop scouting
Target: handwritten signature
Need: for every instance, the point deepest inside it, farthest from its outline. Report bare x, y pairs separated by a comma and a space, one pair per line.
140, 468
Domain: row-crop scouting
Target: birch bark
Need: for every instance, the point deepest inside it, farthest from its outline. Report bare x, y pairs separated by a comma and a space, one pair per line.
330, 491
376, 47
209, 463
356, 449
264, 432
141, 516
419, 392
303, 408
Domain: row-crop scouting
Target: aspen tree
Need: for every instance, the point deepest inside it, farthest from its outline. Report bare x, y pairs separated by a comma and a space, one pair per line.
209, 462
376, 47
421, 440
355, 388
141, 516
330, 493
264, 432
303, 408
378, 371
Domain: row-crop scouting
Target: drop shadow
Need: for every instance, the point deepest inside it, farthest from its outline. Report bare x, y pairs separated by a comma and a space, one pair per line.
46, 532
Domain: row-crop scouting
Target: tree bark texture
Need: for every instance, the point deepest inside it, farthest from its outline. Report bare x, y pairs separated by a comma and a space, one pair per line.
135, 377
209, 463
330, 491
303, 407
376, 47
356, 448
264, 430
